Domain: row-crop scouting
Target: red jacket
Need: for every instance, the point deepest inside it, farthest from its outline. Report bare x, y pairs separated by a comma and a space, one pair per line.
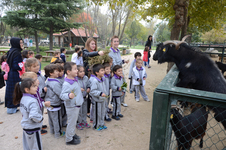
145, 56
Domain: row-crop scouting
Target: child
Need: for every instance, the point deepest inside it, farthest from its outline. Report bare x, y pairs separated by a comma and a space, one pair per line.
79, 59
73, 99
107, 79
90, 100
31, 113
31, 54
39, 57
53, 95
85, 88
25, 55
62, 55
73, 57
137, 55
98, 93
117, 91
56, 56
145, 57
139, 77
4, 66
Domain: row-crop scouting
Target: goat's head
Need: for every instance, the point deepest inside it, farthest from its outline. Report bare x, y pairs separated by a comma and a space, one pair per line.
163, 48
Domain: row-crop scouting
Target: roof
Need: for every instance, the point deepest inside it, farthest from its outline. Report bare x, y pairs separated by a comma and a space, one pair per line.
77, 32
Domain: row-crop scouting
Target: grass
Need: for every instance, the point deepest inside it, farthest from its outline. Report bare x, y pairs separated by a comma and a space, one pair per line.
4, 47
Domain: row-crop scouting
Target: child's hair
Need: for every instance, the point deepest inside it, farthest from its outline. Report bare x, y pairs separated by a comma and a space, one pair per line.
82, 48
38, 56
3, 58
79, 67
138, 60
31, 52
50, 69
146, 48
28, 75
116, 67
137, 54
56, 53
20, 89
60, 68
79, 53
106, 65
30, 62
62, 49
77, 49
68, 66
96, 68
58, 61
25, 54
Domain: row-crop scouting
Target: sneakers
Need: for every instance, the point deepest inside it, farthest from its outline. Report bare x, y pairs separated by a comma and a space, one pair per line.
115, 117
44, 127
73, 142
120, 115
43, 132
104, 127
130, 91
62, 134
85, 125
76, 136
108, 119
147, 100
79, 126
137, 100
124, 104
99, 128
149, 66
1, 102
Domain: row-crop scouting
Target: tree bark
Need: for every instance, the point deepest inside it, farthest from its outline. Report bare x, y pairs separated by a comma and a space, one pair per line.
185, 26
128, 14
51, 38
36, 42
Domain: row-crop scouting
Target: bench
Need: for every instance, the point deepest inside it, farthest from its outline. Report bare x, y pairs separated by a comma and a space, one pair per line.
46, 57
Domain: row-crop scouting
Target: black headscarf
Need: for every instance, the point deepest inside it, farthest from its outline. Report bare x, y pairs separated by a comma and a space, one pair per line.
148, 42
14, 51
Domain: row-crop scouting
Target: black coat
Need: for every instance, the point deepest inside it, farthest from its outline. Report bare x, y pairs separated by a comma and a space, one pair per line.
86, 55
2, 81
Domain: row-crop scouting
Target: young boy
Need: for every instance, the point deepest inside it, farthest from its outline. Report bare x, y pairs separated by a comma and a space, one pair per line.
117, 91
139, 76
53, 95
73, 99
98, 94
39, 57
62, 55
107, 80
137, 55
56, 57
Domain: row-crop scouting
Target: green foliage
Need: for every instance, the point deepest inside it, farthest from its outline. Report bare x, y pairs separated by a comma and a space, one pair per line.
215, 36
162, 33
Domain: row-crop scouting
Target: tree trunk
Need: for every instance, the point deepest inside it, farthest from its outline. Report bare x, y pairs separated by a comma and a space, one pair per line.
69, 37
51, 38
128, 14
36, 42
185, 26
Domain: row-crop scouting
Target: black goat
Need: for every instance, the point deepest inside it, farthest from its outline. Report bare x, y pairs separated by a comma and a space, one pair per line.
221, 66
187, 128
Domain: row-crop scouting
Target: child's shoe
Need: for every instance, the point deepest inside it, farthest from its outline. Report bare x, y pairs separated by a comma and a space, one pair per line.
130, 91
115, 117
99, 128
73, 142
147, 100
79, 126
104, 127
86, 125
120, 115
63, 133
124, 104
43, 132
108, 119
76, 136
137, 100
44, 127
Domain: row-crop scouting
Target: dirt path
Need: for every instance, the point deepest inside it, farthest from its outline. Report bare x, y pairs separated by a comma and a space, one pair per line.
132, 132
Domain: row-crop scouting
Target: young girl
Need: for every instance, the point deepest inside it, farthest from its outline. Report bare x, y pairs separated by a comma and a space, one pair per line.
31, 113
85, 88
145, 57
25, 56
31, 54
5, 66
79, 59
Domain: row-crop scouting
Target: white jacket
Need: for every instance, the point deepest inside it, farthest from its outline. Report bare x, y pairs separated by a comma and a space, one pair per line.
139, 75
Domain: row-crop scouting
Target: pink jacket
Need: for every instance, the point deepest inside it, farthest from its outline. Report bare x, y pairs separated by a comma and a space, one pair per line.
5, 68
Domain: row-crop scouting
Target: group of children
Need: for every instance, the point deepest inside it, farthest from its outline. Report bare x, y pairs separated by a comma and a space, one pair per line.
65, 90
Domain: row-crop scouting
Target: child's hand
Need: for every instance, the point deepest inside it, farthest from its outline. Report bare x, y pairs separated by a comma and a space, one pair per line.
71, 95
88, 90
45, 89
103, 95
127, 61
82, 89
139, 80
120, 89
47, 104
123, 93
144, 78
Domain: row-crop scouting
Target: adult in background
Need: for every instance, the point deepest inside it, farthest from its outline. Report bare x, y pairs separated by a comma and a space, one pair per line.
14, 60
31, 42
117, 60
148, 43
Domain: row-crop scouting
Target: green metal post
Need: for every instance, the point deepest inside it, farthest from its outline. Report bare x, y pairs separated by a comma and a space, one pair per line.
222, 58
159, 121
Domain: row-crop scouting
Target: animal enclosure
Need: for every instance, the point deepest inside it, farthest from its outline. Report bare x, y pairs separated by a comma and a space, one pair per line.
188, 114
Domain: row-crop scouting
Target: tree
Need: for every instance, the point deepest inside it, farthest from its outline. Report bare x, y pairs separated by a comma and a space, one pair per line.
133, 30
162, 32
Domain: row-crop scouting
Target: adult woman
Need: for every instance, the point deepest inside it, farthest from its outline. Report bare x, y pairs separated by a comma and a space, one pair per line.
117, 60
148, 43
90, 51
14, 60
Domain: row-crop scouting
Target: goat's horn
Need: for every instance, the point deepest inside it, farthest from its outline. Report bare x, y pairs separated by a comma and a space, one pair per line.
184, 38
178, 44
169, 42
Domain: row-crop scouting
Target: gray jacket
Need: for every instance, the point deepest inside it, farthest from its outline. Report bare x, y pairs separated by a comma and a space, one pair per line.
84, 83
42, 84
53, 92
116, 56
61, 79
133, 64
31, 112
97, 88
116, 83
107, 82
68, 87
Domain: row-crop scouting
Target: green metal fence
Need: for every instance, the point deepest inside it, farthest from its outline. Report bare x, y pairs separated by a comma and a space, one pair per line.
167, 94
